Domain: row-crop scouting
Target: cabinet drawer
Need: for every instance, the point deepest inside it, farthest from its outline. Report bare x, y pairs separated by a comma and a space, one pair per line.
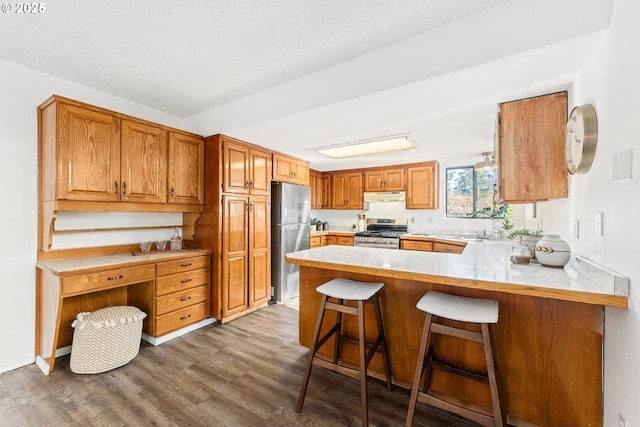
345, 240
181, 318
315, 241
181, 299
116, 277
181, 281
448, 248
183, 264
414, 245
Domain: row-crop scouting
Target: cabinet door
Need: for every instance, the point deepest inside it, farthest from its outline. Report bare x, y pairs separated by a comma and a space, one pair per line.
283, 168
313, 185
394, 180
235, 254
143, 159
259, 251
323, 191
301, 173
259, 172
530, 149
235, 166
186, 169
88, 161
355, 198
373, 180
338, 190
422, 191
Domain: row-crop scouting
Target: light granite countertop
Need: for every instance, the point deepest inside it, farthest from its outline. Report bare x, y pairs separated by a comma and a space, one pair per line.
484, 265
74, 265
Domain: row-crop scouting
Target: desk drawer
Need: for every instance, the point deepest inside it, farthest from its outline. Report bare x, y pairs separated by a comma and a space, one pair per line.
183, 264
448, 248
181, 318
177, 282
116, 277
178, 300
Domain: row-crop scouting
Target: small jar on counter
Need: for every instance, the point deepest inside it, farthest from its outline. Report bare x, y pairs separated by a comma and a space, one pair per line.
520, 255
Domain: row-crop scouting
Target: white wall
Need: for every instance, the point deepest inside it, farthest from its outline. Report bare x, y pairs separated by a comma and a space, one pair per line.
22, 91
611, 81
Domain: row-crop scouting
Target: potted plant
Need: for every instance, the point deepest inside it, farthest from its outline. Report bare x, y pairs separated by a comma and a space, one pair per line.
529, 238
503, 213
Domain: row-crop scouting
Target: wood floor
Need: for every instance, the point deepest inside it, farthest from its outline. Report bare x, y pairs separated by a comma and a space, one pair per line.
244, 373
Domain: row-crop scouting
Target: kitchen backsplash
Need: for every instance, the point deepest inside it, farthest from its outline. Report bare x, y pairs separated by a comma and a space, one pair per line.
420, 220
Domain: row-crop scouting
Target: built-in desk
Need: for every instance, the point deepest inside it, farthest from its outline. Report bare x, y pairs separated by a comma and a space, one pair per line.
548, 336
171, 287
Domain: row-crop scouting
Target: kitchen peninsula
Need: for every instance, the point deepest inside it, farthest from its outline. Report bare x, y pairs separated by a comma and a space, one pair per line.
548, 337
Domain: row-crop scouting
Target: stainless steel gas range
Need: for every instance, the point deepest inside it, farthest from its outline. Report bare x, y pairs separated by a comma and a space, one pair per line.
381, 233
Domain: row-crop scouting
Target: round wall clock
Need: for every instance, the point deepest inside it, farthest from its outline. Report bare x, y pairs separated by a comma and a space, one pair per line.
580, 139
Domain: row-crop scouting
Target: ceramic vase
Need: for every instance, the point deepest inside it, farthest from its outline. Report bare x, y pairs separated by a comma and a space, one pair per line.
531, 242
552, 251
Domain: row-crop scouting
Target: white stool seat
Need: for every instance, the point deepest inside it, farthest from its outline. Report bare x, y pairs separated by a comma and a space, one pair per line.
349, 289
459, 308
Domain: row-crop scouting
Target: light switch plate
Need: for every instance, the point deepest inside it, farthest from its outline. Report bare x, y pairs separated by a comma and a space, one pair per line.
598, 223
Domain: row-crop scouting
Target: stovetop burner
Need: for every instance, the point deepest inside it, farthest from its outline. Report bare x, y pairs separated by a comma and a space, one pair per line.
383, 227
378, 233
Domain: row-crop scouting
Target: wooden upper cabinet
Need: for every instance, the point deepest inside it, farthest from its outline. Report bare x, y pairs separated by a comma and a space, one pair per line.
89, 154
346, 190
529, 149
387, 179
289, 169
143, 157
313, 184
246, 169
319, 183
84, 145
186, 169
422, 186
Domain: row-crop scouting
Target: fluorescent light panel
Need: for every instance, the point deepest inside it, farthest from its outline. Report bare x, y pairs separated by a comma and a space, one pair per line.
363, 148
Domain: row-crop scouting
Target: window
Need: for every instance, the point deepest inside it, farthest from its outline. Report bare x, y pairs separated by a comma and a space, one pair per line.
469, 191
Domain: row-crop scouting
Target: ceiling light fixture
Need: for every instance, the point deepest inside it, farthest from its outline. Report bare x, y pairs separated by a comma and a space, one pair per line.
386, 144
487, 163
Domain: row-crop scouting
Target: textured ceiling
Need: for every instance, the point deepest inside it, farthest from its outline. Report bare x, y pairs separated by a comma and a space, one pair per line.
292, 75
183, 57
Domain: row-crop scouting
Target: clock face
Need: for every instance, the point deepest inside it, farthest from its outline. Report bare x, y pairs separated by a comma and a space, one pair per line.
580, 139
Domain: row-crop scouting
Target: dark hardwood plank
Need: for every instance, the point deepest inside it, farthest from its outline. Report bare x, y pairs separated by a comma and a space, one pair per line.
246, 372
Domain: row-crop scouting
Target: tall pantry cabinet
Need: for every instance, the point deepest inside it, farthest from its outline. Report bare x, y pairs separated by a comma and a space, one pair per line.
235, 225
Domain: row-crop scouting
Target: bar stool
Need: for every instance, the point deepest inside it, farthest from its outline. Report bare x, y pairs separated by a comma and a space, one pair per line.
349, 290
463, 309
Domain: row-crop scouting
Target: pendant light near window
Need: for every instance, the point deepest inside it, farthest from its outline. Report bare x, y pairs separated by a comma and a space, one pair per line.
487, 163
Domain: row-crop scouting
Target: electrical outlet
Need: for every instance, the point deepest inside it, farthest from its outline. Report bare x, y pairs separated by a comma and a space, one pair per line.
430, 220
598, 223
576, 229
413, 220
622, 422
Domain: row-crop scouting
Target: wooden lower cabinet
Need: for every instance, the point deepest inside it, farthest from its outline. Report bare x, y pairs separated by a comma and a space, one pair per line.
183, 291
430, 245
451, 248
331, 239
416, 245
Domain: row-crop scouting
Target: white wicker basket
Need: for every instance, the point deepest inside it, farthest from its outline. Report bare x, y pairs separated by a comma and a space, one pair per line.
105, 339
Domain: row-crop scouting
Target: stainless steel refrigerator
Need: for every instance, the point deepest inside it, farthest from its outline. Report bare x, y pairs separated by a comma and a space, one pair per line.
290, 228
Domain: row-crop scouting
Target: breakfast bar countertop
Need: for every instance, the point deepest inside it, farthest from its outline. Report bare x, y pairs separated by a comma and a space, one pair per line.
483, 266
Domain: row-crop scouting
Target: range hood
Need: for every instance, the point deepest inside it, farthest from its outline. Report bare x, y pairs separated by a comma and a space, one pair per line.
384, 196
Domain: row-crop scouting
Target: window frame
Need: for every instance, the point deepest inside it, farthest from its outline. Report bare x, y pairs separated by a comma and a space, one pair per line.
475, 191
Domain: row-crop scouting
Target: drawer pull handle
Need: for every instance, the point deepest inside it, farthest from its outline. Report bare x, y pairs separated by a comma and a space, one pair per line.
115, 277
185, 317
186, 265
185, 298
186, 280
